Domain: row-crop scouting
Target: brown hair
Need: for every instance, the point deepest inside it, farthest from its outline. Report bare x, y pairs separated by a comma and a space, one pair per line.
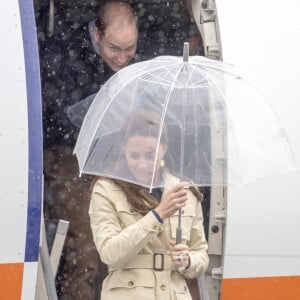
114, 10
144, 123
135, 193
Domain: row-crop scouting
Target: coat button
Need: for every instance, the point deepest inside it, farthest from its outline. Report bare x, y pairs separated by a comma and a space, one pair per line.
130, 283
131, 210
155, 227
163, 287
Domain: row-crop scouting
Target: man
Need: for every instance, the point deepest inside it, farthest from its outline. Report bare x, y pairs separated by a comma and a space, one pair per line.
78, 59
114, 35
67, 195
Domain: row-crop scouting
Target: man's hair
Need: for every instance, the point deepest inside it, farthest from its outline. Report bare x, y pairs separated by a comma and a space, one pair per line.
112, 11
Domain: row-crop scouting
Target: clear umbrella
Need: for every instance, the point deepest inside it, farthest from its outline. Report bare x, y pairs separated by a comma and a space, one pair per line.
220, 129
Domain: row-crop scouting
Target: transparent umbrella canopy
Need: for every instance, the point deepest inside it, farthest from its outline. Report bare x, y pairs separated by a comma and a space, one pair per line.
194, 98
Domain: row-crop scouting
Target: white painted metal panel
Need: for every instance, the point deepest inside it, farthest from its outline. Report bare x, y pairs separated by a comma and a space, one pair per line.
13, 136
263, 39
20, 160
29, 280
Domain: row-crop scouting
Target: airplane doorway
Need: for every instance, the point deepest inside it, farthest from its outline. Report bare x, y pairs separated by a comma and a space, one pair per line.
68, 74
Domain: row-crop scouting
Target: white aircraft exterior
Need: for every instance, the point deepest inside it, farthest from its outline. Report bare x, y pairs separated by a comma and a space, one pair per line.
262, 247
256, 253
21, 151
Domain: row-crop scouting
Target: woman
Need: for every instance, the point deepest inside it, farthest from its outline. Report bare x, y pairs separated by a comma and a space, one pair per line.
134, 230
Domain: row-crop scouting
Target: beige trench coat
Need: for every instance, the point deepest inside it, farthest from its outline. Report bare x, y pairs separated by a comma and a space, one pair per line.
136, 249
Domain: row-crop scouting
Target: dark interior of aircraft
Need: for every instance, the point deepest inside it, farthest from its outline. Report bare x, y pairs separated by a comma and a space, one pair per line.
61, 25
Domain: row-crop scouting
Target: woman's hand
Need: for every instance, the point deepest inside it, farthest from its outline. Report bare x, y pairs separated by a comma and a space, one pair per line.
180, 255
172, 200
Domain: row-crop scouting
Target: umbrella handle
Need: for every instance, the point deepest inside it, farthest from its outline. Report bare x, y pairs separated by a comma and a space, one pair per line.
178, 236
179, 230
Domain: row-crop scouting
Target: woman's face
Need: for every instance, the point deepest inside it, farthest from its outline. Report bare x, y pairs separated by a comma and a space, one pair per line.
140, 156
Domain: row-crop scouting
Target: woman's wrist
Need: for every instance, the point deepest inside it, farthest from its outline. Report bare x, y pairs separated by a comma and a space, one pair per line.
157, 215
160, 212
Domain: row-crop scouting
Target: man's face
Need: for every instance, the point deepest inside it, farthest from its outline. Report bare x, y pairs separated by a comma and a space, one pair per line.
117, 45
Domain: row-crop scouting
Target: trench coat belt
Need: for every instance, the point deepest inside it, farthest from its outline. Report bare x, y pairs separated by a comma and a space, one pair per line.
155, 261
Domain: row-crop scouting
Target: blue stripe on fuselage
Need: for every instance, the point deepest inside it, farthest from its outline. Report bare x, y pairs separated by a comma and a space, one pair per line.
33, 86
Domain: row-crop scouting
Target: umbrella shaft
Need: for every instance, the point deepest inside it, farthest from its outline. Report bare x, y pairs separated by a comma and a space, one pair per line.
178, 230
178, 236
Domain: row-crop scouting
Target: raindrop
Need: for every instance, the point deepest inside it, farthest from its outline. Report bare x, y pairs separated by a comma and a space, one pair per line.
72, 53
146, 25
162, 50
151, 18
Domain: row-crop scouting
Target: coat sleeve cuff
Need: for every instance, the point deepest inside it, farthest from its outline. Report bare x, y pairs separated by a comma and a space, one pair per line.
151, 223
156, 214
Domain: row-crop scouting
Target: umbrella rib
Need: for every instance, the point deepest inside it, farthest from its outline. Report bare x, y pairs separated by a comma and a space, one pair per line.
197, 135
137, 74
235, 76
215, 66
159, 79
162, 120
196, 129
234, 134
132, 79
